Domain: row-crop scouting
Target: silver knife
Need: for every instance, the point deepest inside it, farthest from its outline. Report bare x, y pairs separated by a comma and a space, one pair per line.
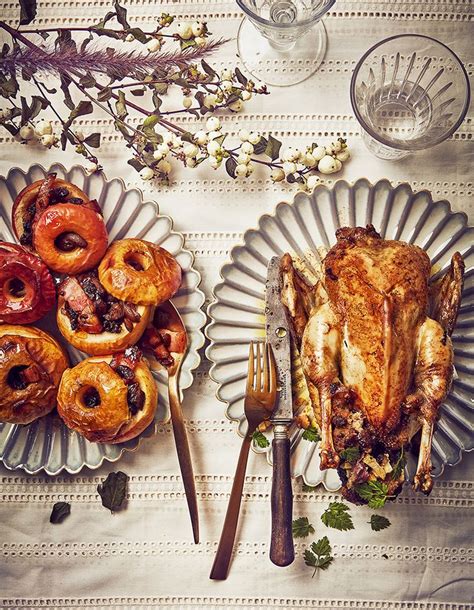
278, 335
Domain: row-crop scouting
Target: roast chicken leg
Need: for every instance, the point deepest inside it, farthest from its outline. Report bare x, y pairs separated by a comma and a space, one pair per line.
381, 365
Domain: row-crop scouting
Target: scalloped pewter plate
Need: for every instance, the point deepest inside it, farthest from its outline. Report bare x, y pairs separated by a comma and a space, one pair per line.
309, 223
48, 444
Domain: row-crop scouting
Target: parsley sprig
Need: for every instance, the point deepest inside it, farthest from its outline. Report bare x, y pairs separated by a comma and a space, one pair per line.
260, 439
302, 528
318, 556
375, 492
311, 434
351, 454
338, 517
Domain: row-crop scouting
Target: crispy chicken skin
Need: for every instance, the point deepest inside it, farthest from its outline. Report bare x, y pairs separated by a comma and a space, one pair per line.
380, 363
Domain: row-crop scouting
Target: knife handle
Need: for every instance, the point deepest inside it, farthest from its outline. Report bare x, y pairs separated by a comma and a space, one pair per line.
282, 551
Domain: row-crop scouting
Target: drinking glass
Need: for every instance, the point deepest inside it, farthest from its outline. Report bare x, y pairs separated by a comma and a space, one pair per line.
408, 92
290, 42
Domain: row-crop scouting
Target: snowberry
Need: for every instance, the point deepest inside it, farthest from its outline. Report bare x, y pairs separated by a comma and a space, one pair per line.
290, 154
129, 38
43, 128
27, 132
308, 160
191, 162
215, 163
243, 159
185, 30
289, 167
336, 147
247, 148
146, 173
187, 101
254, 137
319, 152
190, 150
246, 95
227, 74
48, 140
311, 182
198, 28
201, 137
200, 40
164, 166
154, 45
329, 165
241, 170
244, 135
212, 135
227, 85
277, 175
210, 100
91, 168
214, 148
5, 114
236, 106
213, 124
344, 155
161, 151
80, 137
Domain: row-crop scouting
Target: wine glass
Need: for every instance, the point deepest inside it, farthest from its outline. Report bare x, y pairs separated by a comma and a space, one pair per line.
292, 41
408, 92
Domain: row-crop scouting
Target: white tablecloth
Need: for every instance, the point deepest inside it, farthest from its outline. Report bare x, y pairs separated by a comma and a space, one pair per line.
143, 556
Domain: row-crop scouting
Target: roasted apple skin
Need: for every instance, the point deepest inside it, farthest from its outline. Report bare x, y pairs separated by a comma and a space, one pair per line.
27, 290
139, 272
109, 419
31, 365
70, 238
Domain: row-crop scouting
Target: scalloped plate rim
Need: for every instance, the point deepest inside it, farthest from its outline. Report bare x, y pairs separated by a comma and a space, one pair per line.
242, 244
192, 368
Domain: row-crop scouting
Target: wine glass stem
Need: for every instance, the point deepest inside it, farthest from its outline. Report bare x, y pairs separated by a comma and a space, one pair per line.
281, 47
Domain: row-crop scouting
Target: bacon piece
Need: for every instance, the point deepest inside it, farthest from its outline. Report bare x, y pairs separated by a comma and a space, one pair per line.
79, 302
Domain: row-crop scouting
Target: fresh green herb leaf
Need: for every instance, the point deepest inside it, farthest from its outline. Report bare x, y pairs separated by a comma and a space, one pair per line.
308, 488
379, 522
302, 527
260, 439
113, 490
351, 455
60, 511
318, 556
311, 434
338, 517
399, 465
375, 492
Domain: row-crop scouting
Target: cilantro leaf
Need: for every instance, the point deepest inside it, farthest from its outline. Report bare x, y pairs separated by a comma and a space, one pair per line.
260, 439
302, 527
379, 522
351, 454
375, 492
311, 434
399, 466
338, 517
318, 556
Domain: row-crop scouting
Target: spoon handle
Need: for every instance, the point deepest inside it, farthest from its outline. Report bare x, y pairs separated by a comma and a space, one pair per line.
184, 455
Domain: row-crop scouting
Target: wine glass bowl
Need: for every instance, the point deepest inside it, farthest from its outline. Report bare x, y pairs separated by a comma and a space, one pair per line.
408, 92
290, 30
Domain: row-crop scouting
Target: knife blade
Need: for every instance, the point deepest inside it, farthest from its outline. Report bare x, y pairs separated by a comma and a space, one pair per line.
278, 335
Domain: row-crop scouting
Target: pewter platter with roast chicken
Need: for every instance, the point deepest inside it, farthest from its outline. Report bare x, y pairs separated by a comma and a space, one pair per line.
378, 286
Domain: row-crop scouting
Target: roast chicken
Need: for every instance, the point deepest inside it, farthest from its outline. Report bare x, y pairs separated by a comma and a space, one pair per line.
374, 341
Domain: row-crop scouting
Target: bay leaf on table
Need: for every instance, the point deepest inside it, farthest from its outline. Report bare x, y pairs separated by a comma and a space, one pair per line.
113, 490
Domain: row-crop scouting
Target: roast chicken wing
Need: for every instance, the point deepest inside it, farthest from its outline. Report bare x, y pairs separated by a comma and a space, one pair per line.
380, 364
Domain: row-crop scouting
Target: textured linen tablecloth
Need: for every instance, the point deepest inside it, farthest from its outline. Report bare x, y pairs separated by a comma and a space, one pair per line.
143, 556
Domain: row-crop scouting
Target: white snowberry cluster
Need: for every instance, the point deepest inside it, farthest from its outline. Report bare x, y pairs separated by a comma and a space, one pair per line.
196, 31
41, 131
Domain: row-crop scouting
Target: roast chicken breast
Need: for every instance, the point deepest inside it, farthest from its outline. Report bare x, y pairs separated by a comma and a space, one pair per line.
380, 364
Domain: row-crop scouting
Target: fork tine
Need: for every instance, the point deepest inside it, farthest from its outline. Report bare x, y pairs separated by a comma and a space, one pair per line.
250, 369
266, 372
258, 375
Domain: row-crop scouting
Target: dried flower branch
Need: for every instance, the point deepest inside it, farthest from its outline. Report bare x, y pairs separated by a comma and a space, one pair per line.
112, 81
